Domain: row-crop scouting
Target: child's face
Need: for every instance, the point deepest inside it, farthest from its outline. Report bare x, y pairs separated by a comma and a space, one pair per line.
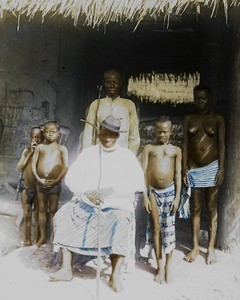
163, 132
36, 136
51, 133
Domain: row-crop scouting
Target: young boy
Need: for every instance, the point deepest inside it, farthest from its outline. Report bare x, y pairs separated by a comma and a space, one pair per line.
29, 187
162, 169
49, 165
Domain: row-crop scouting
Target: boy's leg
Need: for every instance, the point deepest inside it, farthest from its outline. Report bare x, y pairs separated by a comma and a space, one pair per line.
27, 209
65, 273
168, 267
53, 206
115, 277
211, 195
157, 238
42, 201
36, 218
196, 208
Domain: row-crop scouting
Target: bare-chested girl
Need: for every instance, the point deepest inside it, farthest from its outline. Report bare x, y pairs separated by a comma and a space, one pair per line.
162, 168
203, 166
49, 165
29, 186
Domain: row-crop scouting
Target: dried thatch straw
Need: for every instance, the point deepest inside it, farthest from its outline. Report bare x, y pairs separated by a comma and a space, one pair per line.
97, 12
163, 87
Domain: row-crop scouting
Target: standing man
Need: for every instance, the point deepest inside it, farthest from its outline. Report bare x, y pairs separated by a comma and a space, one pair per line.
117, 107
203, 166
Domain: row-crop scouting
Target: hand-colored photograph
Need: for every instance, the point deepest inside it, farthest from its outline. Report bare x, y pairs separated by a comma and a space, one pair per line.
119, 149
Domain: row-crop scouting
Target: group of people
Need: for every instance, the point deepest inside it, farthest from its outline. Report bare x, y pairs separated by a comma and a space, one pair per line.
106, 177
43, 164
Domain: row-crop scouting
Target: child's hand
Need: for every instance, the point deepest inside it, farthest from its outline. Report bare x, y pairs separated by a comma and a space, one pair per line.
185, 181
42, 181
175, 205
146, 203
49, 183
33, 146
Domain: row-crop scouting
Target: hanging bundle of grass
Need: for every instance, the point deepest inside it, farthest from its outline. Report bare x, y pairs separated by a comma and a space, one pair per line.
97, 12
161, 88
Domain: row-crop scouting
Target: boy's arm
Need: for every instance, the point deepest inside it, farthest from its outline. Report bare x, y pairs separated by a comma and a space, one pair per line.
23, 160
34, 165
64, 163
185, 150
145, 155
177, 180
26, 155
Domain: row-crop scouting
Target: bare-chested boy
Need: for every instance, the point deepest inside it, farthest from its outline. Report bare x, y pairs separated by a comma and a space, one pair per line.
49, 165
30, 191
162, 168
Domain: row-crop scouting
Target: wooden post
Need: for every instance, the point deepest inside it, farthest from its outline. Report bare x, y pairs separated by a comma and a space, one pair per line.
229, 208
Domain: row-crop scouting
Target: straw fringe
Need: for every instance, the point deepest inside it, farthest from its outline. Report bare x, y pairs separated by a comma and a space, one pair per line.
97, 12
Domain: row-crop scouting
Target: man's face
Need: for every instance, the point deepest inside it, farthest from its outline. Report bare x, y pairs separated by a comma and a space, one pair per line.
202, 100
163, 132
112, 85
108, 138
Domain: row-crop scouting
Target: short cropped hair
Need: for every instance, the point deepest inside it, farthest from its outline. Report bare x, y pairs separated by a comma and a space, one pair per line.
163, 118
202, 87
116, 72
51, 123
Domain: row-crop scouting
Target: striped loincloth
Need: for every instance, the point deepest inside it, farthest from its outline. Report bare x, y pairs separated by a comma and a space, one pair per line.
197, 178
76, 228
164, 199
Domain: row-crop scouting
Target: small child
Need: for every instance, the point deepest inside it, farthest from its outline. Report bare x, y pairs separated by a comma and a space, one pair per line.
29, 186
49, 165
162, 169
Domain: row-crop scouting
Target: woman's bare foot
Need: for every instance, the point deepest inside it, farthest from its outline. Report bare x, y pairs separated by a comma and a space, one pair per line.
211, 257
160, 276
61, 275
191, 256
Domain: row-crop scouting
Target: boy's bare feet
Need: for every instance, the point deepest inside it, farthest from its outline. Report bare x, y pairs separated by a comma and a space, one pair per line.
191, 256
168, 271
211, 257
27, 243
160, 276
61, 275
41, 242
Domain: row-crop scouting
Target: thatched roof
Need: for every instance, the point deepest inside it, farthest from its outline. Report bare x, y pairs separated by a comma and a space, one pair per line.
97, 12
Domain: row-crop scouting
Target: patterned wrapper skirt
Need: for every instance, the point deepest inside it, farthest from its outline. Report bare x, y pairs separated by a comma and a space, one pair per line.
164, 198
77, 226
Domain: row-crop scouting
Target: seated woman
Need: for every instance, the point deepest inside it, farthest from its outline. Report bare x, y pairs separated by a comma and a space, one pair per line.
104, 179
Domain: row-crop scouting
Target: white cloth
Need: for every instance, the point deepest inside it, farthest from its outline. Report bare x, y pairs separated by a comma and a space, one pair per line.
119, 170
119, 108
